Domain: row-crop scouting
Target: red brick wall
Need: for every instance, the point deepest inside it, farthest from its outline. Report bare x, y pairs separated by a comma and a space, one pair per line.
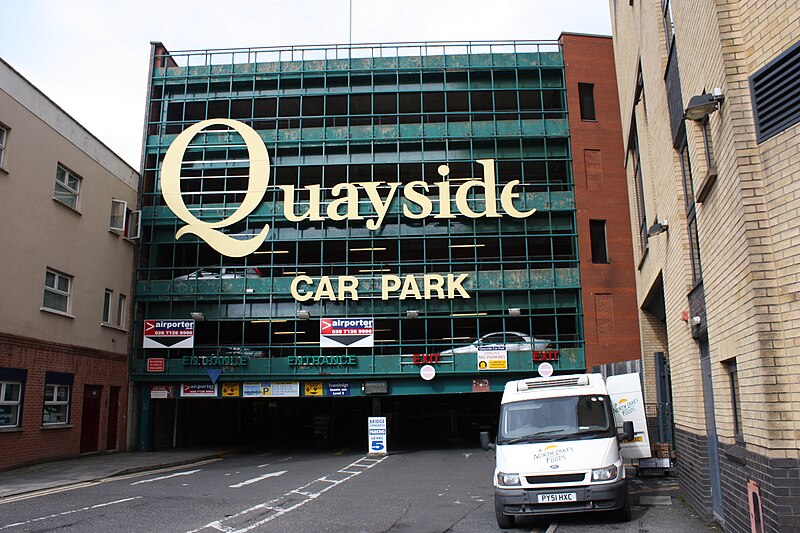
32, 443
611, 324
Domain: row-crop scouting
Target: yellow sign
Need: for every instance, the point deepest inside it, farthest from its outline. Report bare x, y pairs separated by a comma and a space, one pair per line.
345, 197
230, 390
314, 388
419, 287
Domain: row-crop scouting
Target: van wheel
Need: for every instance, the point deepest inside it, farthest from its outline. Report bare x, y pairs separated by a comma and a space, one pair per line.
624, 512
504, 521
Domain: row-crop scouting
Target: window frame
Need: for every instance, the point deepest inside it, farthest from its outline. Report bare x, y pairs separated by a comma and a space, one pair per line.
54, 401
18, 402
668, 23
57, 291
690, 209
586, 102
108, 296
68, 190
599, 258
122, 308
736, 403
119, 216
3, 143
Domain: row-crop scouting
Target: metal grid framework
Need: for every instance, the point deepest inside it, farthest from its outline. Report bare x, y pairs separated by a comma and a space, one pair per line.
337, 115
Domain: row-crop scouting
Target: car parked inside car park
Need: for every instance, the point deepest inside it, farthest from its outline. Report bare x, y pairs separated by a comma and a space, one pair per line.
222, 273
514, 341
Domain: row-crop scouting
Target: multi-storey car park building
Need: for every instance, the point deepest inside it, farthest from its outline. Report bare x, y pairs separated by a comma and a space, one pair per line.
326, 231
66, 290
710, 102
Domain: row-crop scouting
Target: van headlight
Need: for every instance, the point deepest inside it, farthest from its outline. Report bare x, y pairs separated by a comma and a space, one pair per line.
508, 480
604, 474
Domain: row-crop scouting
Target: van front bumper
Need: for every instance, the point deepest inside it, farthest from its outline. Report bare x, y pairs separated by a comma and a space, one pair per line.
605, 497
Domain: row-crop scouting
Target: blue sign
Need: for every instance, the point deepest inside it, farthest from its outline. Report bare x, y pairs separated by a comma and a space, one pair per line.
338, 389
377, 446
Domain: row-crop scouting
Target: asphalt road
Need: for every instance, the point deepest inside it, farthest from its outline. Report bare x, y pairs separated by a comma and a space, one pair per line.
291, 491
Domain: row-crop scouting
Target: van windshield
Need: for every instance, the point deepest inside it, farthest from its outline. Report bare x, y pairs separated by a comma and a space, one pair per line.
548, 419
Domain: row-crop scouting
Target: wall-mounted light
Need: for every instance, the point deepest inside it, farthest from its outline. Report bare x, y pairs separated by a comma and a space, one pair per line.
696, 320
514, 311
303, 314
702, 105
198, 316
658, 228
412, 313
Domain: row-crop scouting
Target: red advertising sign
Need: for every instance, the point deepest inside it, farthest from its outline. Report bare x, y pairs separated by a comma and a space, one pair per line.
156, 364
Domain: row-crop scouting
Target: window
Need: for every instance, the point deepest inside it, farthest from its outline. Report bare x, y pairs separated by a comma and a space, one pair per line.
597, 232
107, 306
10, 403
586, 95
119, 215
56, 398
736, 404
133, 227
122, 306
635, 164
56, 291
691, 212
67, 187
3, 136
669, 27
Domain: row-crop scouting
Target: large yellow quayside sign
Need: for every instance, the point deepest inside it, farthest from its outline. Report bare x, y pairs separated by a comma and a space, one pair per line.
344, 205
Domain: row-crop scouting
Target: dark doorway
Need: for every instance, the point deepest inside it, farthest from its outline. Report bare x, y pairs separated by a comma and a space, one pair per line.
113, 409
90, 421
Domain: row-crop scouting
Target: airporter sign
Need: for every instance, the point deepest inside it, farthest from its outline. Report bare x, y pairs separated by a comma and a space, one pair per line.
343, 206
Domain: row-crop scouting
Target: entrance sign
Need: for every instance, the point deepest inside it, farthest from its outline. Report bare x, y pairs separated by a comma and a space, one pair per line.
493, 357
346, 332
345, 197
168, 334
376, 434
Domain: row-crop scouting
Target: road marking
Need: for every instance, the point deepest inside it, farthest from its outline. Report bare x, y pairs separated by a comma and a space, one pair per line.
276, 511
85, 484
257, 479
262, 466
190, 472
65, 513
552, 527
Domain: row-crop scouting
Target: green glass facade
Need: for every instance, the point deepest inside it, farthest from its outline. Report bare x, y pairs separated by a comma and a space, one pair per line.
331, 118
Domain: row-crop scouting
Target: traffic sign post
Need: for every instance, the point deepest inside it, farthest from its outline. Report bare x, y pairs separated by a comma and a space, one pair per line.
376, 435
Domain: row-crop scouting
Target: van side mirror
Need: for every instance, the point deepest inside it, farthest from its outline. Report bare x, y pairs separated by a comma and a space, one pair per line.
627, 431
485, 444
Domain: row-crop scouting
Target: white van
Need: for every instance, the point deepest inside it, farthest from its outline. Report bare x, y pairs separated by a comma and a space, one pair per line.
559, 447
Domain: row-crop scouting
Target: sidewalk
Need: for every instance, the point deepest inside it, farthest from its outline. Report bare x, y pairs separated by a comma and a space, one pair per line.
94, 467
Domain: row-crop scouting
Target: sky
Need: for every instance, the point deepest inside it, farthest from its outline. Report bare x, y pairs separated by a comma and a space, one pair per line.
91, 56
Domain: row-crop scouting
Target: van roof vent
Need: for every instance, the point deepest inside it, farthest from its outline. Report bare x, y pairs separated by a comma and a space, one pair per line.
548, 383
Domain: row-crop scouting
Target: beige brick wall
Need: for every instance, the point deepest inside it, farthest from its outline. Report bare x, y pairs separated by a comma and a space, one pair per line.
748, 224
